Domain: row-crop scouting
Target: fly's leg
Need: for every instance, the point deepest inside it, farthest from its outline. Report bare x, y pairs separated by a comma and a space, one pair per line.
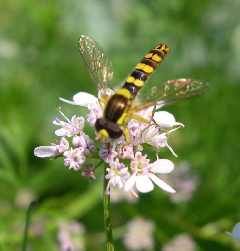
126, 135
125, 129
139, 118
140, 107
134, 112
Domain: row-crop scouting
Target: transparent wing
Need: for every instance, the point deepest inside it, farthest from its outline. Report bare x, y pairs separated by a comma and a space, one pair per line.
172, 91
99, 66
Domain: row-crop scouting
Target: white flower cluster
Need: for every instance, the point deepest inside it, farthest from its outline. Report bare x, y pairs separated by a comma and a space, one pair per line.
74, 145
181, 242
139, 234
129, 169
71, 236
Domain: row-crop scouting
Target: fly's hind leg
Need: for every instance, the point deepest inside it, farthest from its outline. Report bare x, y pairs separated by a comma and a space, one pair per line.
134, 113
126, 135
139, 118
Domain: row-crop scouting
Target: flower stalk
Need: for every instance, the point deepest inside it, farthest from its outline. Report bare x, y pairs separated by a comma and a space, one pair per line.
109, 246
32, 205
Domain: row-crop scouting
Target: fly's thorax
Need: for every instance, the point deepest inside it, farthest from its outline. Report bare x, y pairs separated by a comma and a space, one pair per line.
107, 129
117, 105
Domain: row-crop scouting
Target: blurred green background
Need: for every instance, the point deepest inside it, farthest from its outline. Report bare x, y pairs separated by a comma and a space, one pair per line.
39, 62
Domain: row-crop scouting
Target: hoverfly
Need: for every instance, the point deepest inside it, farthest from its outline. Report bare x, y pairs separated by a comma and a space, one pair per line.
121, 107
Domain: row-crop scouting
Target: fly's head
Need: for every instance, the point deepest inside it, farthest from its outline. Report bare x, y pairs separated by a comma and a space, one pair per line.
107, 129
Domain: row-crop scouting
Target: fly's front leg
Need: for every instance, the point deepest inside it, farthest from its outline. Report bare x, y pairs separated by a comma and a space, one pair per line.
125, 121
129, 114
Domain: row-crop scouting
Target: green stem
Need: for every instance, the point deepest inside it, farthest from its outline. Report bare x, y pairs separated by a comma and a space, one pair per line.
27, 224
109, 246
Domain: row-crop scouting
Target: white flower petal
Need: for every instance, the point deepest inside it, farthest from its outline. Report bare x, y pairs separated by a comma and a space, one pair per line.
63, 145
130, 183
162, 166
81, 98
161, 184
45, 151
164, 119
84, 99
144, 184
61, 132
68, 101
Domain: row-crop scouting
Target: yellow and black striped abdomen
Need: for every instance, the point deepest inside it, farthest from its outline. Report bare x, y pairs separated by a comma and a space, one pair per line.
143, 70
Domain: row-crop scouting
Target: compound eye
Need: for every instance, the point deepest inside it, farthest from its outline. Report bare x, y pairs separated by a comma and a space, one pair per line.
107, 129
100, 124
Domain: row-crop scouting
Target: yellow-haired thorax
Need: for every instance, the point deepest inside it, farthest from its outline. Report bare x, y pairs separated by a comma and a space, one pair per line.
102, 135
